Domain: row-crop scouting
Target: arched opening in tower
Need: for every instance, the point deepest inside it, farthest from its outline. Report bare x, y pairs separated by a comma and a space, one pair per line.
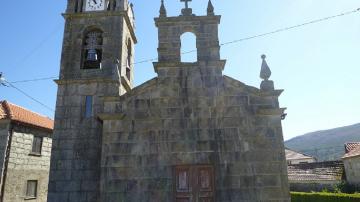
188, 47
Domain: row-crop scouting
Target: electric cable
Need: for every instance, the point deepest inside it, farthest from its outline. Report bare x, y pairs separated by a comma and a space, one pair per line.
232, 42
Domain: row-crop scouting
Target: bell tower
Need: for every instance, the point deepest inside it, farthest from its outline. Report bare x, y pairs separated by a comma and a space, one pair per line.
96, 61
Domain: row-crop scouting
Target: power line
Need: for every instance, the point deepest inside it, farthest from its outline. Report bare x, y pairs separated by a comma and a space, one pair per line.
155, 59
234, 41
29, 96
294, 27
36, 48
33, 80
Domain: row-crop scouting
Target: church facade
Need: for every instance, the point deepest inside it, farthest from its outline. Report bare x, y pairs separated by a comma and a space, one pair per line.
190, 134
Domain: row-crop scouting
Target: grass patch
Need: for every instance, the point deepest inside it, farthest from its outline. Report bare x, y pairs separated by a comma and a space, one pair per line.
324, 197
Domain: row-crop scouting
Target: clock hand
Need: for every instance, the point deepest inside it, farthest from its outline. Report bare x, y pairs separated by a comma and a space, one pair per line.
94, 1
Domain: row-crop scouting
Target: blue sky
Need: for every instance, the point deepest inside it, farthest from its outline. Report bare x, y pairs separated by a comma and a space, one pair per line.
317, 65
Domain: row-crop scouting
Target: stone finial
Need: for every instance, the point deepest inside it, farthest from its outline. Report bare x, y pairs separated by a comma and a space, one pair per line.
265, 74
210, 8
265, 70
162, 9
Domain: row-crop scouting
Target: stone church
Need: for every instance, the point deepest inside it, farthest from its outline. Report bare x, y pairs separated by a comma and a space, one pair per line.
191, 134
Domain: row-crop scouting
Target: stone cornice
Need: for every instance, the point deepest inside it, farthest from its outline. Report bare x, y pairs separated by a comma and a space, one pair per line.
126, 83
84, 81
270, 112
209, 64
164, 20
106, 116
274, 93
104, 14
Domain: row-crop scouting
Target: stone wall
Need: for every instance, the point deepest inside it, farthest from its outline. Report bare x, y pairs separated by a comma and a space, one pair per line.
4, 135
193, 115
75, 164
318, 186
352, 169
23, 167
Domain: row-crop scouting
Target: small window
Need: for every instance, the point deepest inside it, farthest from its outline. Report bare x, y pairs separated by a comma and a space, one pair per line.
114, 5
37, 145
76, 6
31, 189
108, 6
129, 60
88, 106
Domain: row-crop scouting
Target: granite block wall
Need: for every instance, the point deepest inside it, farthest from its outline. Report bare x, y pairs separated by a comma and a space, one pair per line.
4, 135
24, 166
192, 115
352, 168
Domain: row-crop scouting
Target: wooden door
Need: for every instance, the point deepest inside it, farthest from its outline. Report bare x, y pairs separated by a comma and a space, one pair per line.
194, 184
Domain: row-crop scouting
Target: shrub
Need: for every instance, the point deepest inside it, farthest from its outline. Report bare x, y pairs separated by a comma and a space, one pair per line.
324, 197
345, 187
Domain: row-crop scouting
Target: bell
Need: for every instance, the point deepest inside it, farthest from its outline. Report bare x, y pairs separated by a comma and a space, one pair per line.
92, 55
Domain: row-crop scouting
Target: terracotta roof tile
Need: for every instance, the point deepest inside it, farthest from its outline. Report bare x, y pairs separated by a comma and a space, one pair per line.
321, 171
351, 146
353, 150
16, 113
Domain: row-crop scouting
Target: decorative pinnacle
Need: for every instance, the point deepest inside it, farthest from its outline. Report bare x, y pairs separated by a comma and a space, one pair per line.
265, 70
162, 9
210, 8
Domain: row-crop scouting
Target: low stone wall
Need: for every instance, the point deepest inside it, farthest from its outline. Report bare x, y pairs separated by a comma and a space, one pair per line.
313, 186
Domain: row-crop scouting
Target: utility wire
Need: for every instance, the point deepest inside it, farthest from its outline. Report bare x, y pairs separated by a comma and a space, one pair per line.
37, 48
231, 42
155, 59
33, 80
29, 96
293, 27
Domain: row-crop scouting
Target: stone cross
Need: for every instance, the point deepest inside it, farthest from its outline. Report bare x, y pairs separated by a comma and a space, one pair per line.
186, 3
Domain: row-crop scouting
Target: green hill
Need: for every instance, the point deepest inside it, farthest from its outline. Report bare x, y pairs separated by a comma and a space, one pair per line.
325, 145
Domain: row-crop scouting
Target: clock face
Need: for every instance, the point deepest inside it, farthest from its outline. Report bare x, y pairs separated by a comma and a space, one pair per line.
95, 5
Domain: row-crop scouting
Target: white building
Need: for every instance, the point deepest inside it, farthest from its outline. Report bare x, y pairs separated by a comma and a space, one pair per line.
293, 157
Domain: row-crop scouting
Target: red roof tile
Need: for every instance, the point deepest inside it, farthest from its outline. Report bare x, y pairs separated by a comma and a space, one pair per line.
16, 113
353, 150
316, 172
351, 146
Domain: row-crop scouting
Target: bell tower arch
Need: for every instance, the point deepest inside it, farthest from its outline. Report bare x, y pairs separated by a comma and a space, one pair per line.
205, 28
95, 62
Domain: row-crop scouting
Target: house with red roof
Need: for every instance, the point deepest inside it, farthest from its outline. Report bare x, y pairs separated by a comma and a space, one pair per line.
25, 150
351, 161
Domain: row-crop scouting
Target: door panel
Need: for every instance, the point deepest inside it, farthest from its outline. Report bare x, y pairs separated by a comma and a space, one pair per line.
206, 200
194, 184
183, 200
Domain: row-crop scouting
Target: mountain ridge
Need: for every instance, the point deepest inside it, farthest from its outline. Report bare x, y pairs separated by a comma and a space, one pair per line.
325, 145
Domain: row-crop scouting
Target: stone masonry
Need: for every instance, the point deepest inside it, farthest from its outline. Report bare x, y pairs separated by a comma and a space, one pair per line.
190, 117
23, 167
20, 162
75, 161
191, 114
4, 135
